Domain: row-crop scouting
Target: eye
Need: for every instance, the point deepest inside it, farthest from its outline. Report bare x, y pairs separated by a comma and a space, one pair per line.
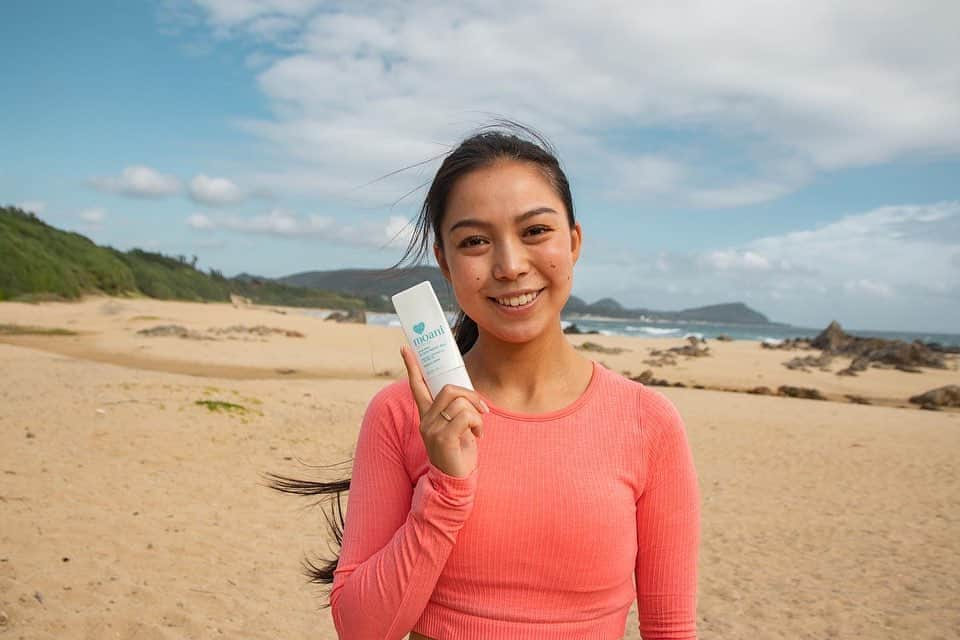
472, 241
540, 229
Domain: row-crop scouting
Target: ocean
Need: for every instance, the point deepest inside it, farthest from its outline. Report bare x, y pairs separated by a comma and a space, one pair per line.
680, 330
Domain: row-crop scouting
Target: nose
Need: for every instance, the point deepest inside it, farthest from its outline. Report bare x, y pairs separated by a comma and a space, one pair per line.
510, 261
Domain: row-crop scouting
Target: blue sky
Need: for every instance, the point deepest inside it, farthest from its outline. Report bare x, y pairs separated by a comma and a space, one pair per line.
804, 160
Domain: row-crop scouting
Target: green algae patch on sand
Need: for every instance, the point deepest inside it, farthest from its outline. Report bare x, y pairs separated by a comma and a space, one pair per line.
229, 408
25, 330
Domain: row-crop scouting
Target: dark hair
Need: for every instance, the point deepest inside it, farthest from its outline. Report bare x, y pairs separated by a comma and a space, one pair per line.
502, 140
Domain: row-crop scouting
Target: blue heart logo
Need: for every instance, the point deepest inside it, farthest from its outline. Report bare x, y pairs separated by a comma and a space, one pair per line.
419, 327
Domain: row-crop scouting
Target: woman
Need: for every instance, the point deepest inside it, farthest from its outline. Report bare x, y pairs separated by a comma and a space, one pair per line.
525, 508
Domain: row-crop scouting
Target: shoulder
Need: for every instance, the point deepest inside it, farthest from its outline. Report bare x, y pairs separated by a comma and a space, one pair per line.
391, 415
394, 400
656, 412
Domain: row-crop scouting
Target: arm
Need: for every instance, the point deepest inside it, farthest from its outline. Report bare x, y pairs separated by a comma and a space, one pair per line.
668, 526
396, 538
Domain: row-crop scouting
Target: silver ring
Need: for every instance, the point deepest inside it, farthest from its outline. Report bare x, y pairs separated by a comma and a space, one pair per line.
445, 416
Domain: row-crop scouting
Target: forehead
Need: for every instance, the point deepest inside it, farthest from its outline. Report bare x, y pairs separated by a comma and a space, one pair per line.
499, 192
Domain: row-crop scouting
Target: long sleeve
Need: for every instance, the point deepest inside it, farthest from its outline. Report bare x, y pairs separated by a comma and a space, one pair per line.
668, 526
397, 537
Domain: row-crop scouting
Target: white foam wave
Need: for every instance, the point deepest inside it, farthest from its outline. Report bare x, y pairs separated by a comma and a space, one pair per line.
654, 331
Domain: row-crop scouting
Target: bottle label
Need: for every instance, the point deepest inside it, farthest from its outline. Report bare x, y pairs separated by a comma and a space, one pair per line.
436, 349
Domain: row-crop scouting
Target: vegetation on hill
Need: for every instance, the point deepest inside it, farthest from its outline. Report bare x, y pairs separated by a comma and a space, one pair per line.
375, 286
38, 261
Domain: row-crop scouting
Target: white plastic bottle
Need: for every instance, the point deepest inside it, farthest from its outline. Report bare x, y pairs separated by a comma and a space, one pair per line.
428, 333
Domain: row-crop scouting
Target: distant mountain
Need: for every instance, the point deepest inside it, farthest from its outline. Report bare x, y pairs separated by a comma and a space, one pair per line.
39, 261
732, 312
375, 287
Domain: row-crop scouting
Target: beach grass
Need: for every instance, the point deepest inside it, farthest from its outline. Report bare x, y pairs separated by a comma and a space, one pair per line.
26, 330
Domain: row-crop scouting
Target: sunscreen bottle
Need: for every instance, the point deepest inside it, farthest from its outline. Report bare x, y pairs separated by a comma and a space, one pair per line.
428, 333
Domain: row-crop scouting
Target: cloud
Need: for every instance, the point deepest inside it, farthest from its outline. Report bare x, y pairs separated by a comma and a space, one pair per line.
228, 14
277, 223
34, 206
870, 287
214, 191
739, 195
730, 259
898, 263
94, 216
394, 231
819, 86
139, 182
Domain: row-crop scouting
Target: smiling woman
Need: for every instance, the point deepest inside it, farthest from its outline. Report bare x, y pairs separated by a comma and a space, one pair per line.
531, 506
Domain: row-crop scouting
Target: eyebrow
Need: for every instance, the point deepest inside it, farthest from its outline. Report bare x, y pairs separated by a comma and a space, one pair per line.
473, 222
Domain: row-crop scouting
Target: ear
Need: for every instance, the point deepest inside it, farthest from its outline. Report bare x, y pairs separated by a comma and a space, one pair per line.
442, 261
576, 241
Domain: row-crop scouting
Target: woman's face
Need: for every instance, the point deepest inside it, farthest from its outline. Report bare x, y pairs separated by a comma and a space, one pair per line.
505, 233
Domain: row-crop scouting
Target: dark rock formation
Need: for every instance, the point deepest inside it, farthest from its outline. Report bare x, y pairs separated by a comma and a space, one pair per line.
693, 349
647, 378
599, 348
800, 392
358, 316
172, 330
821, 362
940, 348
788, 345
948, 396
573, 329
835, 341
761, 391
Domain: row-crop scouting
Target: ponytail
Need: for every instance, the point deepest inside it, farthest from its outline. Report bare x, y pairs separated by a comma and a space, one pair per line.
465, 332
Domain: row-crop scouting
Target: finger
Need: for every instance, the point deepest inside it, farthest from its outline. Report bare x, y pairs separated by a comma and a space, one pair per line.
451, 391
459, 405
421, 393
454, 408
464, 421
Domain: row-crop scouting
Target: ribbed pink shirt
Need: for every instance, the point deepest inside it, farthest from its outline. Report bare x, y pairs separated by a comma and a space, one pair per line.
542, 541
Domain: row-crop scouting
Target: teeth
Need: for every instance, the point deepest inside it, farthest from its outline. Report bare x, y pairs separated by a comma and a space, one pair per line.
518, 301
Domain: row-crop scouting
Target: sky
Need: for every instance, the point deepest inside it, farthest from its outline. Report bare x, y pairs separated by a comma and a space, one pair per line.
802, 158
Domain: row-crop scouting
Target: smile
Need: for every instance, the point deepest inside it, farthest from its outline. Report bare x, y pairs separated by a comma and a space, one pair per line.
518, 301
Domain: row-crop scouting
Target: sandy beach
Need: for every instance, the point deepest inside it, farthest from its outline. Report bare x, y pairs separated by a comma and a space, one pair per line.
132, 505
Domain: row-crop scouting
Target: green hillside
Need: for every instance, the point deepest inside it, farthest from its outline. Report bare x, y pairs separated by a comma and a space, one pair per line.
38, 261
374, 286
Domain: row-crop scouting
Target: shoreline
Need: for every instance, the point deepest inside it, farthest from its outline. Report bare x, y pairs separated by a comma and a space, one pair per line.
107, 333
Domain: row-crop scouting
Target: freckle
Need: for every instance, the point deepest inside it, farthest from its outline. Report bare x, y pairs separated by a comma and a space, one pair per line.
553, 266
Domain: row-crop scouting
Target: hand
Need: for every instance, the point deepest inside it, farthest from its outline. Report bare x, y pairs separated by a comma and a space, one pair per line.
451, 444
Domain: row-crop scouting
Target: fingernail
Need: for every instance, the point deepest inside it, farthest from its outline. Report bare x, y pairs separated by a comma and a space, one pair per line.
486, 409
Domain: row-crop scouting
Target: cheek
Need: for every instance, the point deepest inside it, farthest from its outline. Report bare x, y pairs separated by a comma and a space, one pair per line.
559, 261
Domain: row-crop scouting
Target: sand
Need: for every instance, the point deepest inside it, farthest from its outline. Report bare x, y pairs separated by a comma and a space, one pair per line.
127, 510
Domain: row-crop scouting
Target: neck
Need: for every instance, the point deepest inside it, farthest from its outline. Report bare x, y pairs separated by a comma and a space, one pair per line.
525, 370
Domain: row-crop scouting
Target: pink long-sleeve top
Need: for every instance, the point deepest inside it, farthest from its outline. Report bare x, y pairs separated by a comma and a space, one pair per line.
541, 541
